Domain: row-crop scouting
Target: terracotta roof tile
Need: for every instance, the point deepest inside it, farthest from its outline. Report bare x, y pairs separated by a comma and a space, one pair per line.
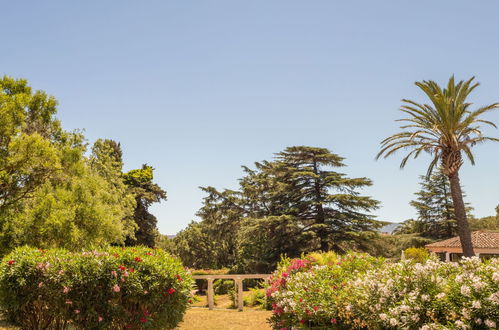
480, 239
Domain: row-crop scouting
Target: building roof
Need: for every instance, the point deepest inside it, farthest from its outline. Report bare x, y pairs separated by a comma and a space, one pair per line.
480, 239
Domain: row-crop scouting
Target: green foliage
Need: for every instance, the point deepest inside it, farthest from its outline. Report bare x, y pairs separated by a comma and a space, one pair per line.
222, 286
417, 254
436, 216
140, 183
296, 203
256, 297
114, 288
51, 194
391, 246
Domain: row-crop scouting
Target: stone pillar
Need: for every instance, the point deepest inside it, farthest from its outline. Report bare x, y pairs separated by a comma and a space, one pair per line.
209, 294
447, 256
240, 301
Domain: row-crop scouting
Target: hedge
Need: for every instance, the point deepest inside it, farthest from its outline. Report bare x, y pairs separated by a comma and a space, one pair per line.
114, 288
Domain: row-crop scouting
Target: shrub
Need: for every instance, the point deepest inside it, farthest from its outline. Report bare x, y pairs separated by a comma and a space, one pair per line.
308, 291
203, 284
221, 286
111, 289
367, 293
255, 297
417, 254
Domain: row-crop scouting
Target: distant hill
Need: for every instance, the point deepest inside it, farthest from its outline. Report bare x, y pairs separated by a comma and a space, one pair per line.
171, 236
388, 229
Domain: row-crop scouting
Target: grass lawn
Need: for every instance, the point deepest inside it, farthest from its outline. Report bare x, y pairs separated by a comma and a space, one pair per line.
223, 319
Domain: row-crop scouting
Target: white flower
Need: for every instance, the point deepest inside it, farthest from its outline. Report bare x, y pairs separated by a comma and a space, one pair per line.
393, 322
425, 297
494, 297
476, 304
466, 313
465, 290
383, 316
440, 295
495, 276
490, 323
461, 324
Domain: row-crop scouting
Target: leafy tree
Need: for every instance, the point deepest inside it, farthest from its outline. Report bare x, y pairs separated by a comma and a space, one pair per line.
140, 182
445, 129
196, 247
29, 138
51, 193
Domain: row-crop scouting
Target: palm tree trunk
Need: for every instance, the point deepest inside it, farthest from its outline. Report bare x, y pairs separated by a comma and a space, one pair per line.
462, 223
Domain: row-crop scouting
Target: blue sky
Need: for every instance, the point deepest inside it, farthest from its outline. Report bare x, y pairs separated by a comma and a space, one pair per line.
199, 88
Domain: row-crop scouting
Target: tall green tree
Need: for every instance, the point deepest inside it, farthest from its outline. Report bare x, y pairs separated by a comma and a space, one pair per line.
325, 201
295, 203
446, 128
436, 216
51, 193
30, 139
146, 192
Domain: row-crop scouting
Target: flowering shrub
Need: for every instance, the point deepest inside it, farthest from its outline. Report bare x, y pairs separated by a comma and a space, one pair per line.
307, 292
116, 288
370, 294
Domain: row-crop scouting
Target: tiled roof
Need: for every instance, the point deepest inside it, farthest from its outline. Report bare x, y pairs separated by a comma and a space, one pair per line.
480, 239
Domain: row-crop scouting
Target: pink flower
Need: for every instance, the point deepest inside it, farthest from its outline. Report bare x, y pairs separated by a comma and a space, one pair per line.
65, 290
40, 284
125, 273
333, 321
146, 292
100, 319
138, 259
116, 288
171, 291
69, 302
143, 320
114, 273
11, 262
77, 311
61, 272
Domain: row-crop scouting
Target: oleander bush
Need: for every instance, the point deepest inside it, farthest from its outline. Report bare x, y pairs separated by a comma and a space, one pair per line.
361, 292
307, 292
114, 288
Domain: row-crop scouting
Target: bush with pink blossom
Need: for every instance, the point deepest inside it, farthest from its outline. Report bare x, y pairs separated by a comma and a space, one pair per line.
361, 292
114, 288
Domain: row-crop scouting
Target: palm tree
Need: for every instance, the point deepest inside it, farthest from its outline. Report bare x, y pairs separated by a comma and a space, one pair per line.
446, 129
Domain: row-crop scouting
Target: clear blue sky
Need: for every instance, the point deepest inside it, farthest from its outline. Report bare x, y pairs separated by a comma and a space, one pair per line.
198, 88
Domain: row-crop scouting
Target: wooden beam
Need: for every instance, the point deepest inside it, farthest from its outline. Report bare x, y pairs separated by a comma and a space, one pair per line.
210, 293
240, 301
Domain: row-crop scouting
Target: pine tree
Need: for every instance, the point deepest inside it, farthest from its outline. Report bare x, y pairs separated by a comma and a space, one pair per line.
434, 205
295, 203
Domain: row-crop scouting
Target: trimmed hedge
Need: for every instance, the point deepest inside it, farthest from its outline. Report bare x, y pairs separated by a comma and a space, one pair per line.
115, 288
